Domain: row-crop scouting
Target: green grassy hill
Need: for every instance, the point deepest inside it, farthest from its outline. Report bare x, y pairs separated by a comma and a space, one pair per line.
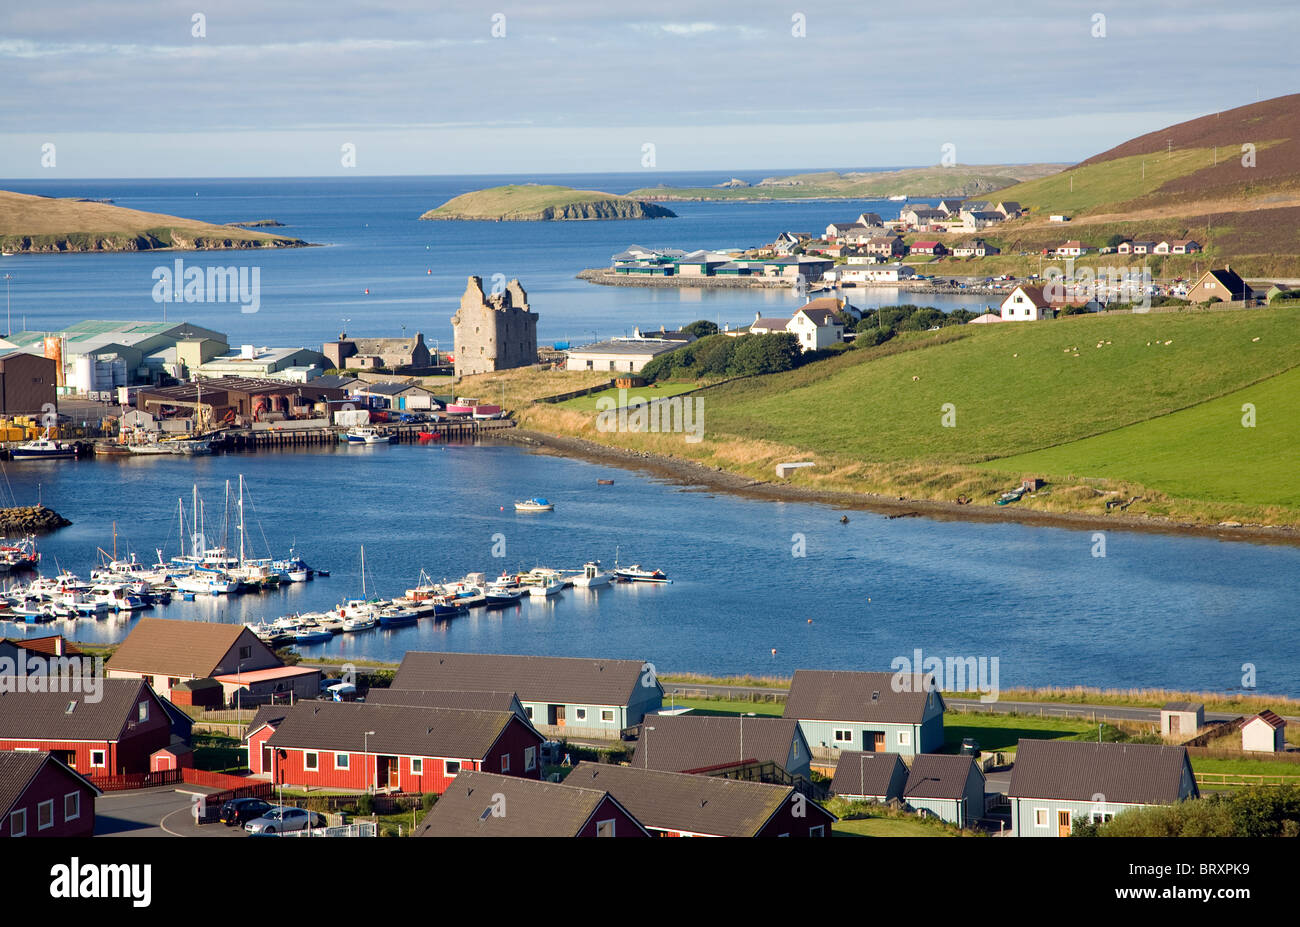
539, 202
40, 223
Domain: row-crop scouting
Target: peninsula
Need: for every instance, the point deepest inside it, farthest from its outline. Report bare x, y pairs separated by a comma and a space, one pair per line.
544, 203
36, 224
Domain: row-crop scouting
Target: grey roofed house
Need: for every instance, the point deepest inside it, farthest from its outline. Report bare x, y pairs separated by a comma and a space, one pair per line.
398, 729
481, 700
266, 714
976, 206
869, 775
692, 743
841, 695
538, 680
336, 381
692, 804
986, 215
1132, 774
938, 775
530, 809
1183, 706
19, 767
46, 716
630, 346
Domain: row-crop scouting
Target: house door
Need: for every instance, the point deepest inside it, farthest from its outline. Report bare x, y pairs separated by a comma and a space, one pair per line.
266, 758
385, 771
1173, 724
1062, 823
877, 741
556, 715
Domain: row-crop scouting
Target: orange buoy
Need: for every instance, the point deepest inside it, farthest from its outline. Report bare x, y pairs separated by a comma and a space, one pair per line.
367, 291
810, 621
773, 651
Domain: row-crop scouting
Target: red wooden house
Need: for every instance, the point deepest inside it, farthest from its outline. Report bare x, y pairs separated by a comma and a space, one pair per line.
112, 734
41, 797
409, 749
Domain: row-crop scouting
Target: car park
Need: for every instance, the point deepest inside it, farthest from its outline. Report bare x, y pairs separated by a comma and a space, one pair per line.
239, 811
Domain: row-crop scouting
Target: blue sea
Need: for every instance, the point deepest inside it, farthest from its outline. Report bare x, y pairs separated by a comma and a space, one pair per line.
380, 271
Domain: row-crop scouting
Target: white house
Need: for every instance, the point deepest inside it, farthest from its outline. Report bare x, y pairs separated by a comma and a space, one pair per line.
985, 319
1026, 304
1071, 249
816, 328
1264, 733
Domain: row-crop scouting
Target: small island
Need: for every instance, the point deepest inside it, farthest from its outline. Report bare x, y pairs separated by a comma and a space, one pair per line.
30, 519
543, 203
43, 224
257, 223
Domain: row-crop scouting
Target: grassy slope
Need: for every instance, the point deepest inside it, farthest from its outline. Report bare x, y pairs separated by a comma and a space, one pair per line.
1205, 449
43, 218
1016, 387
517, 200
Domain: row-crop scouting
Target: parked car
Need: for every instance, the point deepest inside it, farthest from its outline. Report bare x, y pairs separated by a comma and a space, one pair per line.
283, 819
239, 811
970, 747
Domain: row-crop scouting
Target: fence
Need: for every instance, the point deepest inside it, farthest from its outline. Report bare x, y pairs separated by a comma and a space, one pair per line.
129, 781
209, 810
1226, 779
392, 803
356, 829
574, 394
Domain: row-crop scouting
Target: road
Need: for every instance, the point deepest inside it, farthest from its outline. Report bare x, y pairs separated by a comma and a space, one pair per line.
161, 812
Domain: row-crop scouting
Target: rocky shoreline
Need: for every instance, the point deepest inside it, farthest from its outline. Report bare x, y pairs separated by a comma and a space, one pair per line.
693, 474
30, 519
605, 277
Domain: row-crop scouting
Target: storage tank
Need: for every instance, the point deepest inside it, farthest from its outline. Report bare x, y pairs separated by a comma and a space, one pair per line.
54, 351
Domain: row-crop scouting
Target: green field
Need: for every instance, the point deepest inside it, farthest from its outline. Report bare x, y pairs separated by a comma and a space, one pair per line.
1201, 452
632, 396
1015, 387
710, 706
885, 827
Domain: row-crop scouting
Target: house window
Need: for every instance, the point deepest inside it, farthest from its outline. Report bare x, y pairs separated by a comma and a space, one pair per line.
342, 760
530, 758
310, 760
605, 828
144, 712
1040, 817
173, 681
1101, 817
18, 823
580, 714
450, 767
417, 766
505, 762
529, 712
843, 736
245, 652
818, 831
96, 759
71, 806
45, 815
904, 738
607, 715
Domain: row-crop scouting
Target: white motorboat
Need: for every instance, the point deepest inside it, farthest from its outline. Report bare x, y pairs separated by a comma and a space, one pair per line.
359, 623
536, 504
592, 575
547, 588
44, 448
634, 574
367, 434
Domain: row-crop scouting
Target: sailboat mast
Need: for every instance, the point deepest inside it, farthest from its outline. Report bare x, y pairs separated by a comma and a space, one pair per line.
241, 520
363, 571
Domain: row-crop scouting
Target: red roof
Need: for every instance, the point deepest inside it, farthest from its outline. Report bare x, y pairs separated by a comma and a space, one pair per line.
1269, 718
926, 244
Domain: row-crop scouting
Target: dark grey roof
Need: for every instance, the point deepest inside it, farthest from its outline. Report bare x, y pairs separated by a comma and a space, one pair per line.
648, 348
938, 775
483, 700
681, 802
859, 773
1140, 774
535, 679
1183, 706
400, 730
685, 743
389, 389
531, 808
46, 715
834, 695
19, 768
267, 714
335, 381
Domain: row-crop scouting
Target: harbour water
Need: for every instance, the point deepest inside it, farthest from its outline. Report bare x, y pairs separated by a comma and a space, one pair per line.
415, 271
1157, 610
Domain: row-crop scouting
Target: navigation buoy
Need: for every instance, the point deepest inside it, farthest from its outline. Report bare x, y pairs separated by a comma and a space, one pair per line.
810, 621
367, 291
773, 651
429, 271
503, 508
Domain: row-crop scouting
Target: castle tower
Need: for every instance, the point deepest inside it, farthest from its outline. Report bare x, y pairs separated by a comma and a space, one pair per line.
495, 332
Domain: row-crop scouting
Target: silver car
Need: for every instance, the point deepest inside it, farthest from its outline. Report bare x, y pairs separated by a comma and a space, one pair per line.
282, 819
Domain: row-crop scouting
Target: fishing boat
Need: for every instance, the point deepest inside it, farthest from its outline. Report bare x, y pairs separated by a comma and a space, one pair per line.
367, 434
536, 504
359, 623
635, 574
1013, 496
547, 588
465, 405
392, 615
293, 568
604, 482
592, 575
446, 606
312, 634
44, 448
18, 555
503, 592
190, 447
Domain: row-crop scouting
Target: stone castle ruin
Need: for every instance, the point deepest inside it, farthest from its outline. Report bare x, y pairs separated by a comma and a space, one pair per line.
494, 332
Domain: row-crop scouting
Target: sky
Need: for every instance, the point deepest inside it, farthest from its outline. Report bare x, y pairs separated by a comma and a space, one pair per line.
130, 88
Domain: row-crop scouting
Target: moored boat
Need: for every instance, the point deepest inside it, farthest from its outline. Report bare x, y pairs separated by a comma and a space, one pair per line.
536, 504
367, 434
592, 575
44, 448
635, 574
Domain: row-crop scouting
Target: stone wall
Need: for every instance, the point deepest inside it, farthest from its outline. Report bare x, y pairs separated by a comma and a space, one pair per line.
496, 332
